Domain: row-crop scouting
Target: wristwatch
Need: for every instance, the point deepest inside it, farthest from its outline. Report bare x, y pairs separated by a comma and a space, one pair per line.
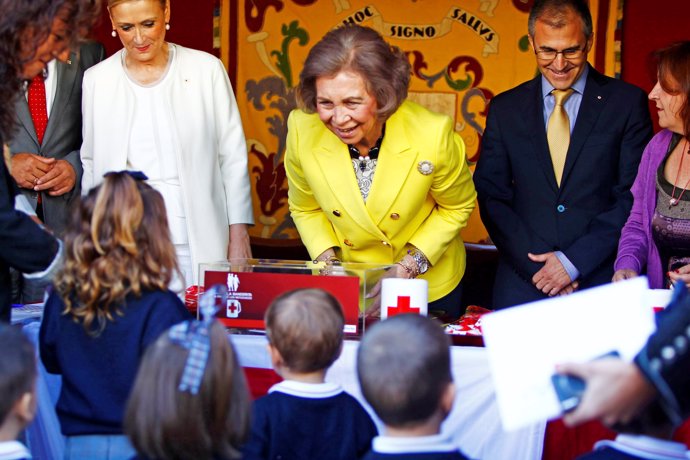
420, 259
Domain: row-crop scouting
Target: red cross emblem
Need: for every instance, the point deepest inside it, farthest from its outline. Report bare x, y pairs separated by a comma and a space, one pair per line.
402, 307
233, 309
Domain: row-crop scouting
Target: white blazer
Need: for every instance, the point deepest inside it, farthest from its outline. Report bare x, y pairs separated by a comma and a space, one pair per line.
210, 147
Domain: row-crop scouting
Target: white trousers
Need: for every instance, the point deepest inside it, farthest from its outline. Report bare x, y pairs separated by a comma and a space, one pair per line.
184, 261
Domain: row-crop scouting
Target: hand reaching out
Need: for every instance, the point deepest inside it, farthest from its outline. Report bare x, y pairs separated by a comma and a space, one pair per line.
681, 274
615, 392
396, 271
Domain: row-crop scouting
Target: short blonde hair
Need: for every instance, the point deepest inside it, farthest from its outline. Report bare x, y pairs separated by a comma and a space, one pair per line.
306, 327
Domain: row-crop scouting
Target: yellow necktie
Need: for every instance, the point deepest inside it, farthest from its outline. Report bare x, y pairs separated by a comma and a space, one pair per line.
558, 132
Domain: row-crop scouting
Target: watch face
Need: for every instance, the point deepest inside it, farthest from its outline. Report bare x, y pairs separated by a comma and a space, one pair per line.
421, 262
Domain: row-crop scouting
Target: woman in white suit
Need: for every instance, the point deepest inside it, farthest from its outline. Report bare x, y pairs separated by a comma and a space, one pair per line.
170, 112
372, 177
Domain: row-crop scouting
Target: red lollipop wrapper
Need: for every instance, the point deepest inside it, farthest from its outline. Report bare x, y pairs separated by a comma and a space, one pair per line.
470, 323
191, 298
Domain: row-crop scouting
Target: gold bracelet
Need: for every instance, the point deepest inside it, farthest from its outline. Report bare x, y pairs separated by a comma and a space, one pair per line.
412, 272
330, 260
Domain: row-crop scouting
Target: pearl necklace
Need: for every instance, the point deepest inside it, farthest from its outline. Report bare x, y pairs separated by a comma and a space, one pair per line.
674, 201
372, 155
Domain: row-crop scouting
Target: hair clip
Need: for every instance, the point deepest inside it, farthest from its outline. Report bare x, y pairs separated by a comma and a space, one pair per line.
194, 336
136, 175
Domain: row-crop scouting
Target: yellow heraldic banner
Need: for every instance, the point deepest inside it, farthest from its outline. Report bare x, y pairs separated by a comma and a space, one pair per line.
462, 53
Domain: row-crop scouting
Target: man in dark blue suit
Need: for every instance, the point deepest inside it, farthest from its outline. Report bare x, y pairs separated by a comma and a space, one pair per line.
24, 245
556, 219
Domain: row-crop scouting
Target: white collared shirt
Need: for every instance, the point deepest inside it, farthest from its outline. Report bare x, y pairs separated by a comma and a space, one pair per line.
307, 390
13, 450
572, 104
21, 203
412, 445
646, 447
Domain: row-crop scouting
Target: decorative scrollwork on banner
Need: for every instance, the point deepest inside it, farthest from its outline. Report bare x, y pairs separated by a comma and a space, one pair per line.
291, 32
523, 5
274, 92
269, 178
470, 65
255, 11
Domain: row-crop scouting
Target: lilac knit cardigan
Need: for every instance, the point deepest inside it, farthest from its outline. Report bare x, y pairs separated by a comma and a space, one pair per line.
636, 248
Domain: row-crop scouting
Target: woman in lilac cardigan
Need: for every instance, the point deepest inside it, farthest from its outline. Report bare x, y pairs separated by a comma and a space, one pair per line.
656, 238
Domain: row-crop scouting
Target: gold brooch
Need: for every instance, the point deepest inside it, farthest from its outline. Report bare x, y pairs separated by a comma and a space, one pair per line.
425, 167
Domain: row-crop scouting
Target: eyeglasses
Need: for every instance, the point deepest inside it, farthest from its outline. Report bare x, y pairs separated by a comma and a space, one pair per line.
570, 53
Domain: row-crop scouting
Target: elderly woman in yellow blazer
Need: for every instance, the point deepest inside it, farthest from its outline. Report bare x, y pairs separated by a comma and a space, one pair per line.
374, 178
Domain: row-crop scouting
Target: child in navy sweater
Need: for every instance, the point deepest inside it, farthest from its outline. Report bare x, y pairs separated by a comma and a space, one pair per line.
403, 365
109, 302
17, 390
304, 417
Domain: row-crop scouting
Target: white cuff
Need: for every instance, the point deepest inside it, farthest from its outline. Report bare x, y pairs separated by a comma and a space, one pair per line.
21, 203
49, 272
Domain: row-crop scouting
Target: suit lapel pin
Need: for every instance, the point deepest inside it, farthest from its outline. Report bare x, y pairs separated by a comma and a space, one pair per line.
425, 167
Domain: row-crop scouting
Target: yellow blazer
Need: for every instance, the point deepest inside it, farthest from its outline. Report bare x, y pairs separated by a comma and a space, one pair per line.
404, 206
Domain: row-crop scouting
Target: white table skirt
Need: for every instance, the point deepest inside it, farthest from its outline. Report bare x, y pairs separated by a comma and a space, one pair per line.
474, 423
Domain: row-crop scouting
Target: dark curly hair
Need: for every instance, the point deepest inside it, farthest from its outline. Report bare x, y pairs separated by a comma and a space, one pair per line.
24, 25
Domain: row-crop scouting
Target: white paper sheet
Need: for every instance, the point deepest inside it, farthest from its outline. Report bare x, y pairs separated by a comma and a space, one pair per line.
658, 298
525, 343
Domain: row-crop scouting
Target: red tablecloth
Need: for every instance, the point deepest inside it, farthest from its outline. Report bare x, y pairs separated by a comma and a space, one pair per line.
563, 443
260, 380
